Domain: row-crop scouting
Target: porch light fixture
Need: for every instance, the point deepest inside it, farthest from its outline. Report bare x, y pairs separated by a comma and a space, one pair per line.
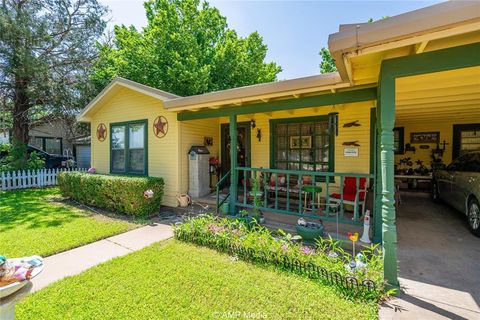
259, 134
333, 123
253, 124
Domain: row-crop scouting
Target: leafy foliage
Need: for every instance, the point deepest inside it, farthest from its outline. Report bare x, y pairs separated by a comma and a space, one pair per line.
11, 156
186, 48
115, 193
327, 64
221, 233
46, 51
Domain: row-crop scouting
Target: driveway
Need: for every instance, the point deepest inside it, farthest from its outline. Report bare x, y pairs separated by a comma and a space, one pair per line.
439, 262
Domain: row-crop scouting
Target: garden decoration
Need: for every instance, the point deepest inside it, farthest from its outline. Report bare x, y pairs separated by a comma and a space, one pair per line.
101, 132
184, 200
148, 194
366, 228
92, 170
309, 231
15, 274
352, 124
354, 238
160, 126
351, 143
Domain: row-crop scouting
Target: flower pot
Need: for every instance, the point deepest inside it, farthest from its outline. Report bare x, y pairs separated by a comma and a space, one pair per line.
311, 231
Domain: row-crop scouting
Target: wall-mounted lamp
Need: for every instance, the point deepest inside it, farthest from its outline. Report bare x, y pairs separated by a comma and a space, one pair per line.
253, 124
259, 134
333, 123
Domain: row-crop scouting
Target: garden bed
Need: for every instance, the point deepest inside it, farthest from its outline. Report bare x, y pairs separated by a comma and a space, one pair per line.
326, 261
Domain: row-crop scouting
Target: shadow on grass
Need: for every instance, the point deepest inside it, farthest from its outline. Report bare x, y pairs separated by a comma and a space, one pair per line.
33, 208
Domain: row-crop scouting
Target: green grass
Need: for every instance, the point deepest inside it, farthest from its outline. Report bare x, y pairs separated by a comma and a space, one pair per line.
38, 221
174, 280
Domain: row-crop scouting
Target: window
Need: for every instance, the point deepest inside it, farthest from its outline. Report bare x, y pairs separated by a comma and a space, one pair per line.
398, 140
302, 144
47, 144
466, 138
128, 147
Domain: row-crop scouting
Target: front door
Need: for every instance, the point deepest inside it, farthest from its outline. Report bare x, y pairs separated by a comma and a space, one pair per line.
243, 147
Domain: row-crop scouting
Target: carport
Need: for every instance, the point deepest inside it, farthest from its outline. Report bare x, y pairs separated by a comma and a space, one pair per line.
437, 115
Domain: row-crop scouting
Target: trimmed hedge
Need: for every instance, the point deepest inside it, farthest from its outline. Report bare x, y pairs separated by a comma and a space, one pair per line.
114, 193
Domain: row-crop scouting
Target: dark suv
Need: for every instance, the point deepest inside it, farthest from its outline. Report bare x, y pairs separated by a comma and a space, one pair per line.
459, 186
52, 161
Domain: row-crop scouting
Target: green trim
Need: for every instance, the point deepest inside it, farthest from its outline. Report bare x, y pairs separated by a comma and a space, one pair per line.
224, 129
373, 128
233, 165
353, 95
126, 124
401, 138
457, 131
434, 61
391, 69
331, 138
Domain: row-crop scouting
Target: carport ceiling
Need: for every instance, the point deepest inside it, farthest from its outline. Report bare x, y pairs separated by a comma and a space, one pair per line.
453, 95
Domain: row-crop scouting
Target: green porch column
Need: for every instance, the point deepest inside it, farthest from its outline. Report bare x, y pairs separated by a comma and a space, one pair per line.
389, 229
377, 219
233, 163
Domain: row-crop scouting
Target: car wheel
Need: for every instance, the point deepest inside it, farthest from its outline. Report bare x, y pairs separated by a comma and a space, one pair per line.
435, 193
473, 216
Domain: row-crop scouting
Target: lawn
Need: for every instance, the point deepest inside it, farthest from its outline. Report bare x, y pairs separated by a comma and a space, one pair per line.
174, 280
39, 221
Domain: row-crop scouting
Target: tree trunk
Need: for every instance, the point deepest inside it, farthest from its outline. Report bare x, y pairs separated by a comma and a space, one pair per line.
20, 124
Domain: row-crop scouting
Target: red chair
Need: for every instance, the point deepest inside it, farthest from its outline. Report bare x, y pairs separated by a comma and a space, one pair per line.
351, 195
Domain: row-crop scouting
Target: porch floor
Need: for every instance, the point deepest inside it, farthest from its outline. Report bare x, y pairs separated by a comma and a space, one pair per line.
438, 262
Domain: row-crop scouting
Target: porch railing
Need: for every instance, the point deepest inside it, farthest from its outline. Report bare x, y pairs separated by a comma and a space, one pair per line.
218, 187
282, 191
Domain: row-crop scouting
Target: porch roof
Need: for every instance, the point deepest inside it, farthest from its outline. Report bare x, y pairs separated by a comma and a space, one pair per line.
263, 92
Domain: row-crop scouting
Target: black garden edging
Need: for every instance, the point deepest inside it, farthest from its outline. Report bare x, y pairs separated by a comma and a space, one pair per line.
348, 283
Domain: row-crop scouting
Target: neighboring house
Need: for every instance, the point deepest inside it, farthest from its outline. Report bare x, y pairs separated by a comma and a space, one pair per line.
51, 135
418, 71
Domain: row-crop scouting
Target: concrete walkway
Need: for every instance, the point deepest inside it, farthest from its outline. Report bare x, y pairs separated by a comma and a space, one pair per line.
77, 260
439, 263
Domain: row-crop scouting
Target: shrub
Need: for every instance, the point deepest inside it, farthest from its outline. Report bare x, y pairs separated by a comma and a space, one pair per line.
10, 160
326, 261
114, 193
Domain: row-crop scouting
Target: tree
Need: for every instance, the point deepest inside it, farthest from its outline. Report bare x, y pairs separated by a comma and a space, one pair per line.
46, 49
186, 48
327, 64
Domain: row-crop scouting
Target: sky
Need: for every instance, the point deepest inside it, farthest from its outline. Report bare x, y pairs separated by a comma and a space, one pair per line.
293, 30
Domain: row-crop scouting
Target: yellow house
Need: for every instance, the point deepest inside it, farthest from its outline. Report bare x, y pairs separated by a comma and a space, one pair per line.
405, 86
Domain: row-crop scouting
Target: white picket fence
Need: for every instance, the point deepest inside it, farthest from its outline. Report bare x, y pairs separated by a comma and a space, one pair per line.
31, 178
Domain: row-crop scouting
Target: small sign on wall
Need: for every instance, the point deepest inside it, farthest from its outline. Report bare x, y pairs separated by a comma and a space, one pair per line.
350, 152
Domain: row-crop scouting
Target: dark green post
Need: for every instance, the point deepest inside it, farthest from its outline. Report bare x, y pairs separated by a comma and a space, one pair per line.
233, 164
389, 229
377, 219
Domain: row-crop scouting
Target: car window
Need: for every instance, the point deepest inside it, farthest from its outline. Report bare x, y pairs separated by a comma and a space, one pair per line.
471, 163
455, 165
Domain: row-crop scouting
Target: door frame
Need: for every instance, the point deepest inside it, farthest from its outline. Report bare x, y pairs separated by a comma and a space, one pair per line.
224, 131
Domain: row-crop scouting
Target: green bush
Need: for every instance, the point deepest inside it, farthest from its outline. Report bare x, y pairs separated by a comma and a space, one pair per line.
115, 193
258, 244
12, 159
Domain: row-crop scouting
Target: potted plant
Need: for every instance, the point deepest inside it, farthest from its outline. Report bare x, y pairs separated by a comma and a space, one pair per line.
309, 231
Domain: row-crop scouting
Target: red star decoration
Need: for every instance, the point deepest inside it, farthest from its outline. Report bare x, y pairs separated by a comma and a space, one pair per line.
160, 126
101, 132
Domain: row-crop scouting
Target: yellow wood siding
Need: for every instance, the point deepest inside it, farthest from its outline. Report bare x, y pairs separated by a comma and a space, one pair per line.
347, 113
128, 105
445, 127
192, 133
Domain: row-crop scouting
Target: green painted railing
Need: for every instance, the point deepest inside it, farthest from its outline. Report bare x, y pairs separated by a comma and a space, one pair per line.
286, 192
218, 186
